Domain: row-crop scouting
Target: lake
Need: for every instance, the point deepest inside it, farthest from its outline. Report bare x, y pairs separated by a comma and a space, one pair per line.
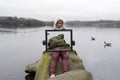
20, 47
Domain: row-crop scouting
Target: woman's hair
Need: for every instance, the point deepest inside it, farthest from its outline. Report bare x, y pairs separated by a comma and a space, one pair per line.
59, 21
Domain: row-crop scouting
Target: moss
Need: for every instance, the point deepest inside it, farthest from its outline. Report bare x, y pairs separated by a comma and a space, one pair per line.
58, 43
43, 67
75, 62
74, 57
31, 68
74, 75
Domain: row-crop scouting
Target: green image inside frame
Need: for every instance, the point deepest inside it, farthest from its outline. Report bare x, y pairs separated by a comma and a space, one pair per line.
58, 40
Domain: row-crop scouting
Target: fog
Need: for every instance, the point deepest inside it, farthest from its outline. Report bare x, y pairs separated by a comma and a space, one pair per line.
66, 9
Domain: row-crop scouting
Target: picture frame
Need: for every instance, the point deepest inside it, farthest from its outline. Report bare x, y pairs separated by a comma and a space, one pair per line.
64, 43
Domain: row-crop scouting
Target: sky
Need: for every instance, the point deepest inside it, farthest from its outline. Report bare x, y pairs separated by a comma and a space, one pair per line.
48, 10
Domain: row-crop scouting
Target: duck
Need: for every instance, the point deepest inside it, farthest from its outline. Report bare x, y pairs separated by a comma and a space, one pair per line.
92, 38
107, 44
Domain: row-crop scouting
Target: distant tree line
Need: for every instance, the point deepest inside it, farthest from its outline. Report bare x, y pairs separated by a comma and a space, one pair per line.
15, 22
100, 23
49, 23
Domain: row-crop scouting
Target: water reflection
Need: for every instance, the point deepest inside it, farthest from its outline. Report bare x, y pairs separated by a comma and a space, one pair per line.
7, 31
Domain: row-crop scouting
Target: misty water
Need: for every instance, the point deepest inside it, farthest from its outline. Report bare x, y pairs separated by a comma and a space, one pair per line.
20, 47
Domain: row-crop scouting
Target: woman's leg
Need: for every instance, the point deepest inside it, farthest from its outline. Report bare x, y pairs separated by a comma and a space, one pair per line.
65, 61
55, 58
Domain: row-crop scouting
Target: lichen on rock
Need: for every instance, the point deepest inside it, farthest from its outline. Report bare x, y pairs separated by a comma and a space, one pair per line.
74, 75
42, 72
58, 43
75, 67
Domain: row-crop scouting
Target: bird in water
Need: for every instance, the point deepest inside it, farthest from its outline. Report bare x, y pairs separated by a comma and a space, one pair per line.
92, 38
106, 44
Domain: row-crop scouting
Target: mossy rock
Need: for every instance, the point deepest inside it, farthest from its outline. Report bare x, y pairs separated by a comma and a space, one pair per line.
58, 42
74, 75
31, 68
74, 63
42, 66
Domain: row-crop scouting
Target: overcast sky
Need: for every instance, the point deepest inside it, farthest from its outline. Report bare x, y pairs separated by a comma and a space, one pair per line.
65, 9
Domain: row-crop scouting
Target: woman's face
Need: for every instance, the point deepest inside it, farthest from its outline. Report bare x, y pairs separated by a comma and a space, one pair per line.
59, 24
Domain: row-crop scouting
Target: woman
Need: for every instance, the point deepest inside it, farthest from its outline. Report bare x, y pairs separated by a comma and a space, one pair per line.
56, 55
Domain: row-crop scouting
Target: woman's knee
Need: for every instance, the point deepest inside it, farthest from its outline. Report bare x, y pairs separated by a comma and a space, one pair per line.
55, 55
65, 55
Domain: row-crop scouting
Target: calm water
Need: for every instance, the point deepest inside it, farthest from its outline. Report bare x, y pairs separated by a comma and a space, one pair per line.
21, 47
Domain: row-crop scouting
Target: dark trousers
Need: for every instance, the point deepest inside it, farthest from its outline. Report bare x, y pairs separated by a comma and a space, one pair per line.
55, 58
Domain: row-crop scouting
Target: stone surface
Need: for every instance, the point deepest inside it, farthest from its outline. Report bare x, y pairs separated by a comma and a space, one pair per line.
58, 43
74, 75
42, 67
31, 68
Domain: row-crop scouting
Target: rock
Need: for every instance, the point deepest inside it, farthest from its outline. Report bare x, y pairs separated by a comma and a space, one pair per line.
74, 63
31, 68
42, 67
58, 42
29, 77
74, 75
58, 37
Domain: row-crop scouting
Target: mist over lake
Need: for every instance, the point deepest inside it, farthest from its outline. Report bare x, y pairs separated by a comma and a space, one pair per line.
20, 47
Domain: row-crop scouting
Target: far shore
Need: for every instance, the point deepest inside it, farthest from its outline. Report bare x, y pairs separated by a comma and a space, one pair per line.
15, 22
